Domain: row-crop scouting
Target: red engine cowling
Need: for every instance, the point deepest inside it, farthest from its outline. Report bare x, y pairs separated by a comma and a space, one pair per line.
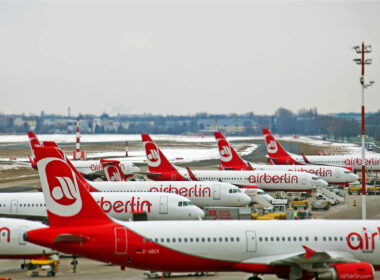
349, 271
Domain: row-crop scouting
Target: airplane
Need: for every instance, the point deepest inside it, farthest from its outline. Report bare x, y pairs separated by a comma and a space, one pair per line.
290, 249
201, 194
88, 168
280, 156
122, 206
12, 244
161, 169
230, 160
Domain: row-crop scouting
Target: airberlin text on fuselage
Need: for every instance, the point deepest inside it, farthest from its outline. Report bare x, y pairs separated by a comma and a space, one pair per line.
276, 179
364, 241
319, 171
358, 161
98, 166
133, 205
198, 191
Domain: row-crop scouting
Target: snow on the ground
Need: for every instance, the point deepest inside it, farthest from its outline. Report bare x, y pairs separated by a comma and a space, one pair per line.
173, 154
93, 138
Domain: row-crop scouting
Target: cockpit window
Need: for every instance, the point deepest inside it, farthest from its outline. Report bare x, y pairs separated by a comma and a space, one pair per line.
315, 178
185, 203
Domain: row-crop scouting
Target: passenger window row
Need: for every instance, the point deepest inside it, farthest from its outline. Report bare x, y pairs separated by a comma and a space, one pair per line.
193, 239
300, 238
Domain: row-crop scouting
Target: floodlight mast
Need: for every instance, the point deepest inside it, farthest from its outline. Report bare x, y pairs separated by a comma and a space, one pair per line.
361, 61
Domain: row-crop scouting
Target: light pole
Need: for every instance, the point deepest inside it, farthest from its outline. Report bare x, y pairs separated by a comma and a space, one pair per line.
361, 61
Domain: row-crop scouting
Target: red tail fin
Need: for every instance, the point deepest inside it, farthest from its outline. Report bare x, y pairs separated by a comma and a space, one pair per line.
157, 162
67, 200
52, 144
228, 156
33, 141
112, 170
275, 150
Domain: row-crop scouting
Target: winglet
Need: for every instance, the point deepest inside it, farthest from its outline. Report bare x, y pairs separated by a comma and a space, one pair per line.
319, 153
221, 166
309, 252
191, 174
305, 158
271, 161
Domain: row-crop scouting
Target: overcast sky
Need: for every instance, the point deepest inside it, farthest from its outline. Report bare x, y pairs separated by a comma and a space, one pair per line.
185, 57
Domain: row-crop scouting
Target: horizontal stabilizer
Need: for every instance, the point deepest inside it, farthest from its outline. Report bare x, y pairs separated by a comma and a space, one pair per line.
70, 238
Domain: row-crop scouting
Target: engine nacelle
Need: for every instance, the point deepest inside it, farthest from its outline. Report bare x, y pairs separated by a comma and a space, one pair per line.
348, 271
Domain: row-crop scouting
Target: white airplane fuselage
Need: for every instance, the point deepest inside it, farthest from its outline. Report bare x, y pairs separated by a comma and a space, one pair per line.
331, 174
12, 244
201, 193
158, 206
88, 167
266, 180
372, 163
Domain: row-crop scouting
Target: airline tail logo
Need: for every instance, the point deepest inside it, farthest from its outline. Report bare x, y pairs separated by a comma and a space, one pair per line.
152, 154
224, 151
271, 144
63, 197
112, 173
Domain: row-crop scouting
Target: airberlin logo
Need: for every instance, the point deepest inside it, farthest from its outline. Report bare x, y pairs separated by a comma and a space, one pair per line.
152, 154
112, 173
224, 151
364, 241
62, 191
276, 179
5, 232
271, 145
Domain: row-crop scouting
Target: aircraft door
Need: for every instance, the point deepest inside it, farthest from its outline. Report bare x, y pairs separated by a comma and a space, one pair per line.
163, 205
120, 240
251, 241
216, 192
14, 206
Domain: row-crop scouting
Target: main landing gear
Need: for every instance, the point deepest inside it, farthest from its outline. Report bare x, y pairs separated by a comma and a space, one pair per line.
254, 277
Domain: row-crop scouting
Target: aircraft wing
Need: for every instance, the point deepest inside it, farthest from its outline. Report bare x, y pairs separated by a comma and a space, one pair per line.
308, 260
149, 173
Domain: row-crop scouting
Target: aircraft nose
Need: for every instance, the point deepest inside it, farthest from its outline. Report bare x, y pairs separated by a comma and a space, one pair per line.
200, 213
244, 199
354, 177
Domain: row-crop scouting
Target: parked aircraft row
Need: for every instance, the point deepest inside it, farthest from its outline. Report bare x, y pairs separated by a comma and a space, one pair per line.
230, 160
161, 169
341, 249
279, 155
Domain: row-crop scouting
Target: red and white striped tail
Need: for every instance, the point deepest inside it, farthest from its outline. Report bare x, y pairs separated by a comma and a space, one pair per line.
126, 148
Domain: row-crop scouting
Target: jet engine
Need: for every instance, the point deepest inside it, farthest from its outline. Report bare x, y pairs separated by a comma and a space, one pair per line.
359, 270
